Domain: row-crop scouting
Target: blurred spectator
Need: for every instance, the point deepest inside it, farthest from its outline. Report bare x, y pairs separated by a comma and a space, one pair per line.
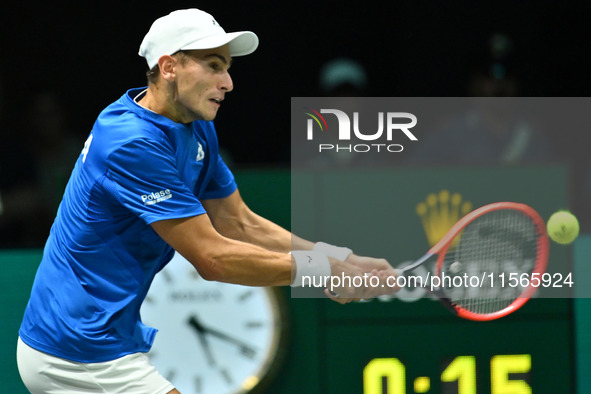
343, 77
37, 158
488, 131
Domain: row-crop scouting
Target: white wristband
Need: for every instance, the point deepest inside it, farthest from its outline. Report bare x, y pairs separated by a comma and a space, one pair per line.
309, 264
338, 252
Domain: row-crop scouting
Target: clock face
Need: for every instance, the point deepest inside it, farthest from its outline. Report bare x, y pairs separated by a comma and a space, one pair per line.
213, 337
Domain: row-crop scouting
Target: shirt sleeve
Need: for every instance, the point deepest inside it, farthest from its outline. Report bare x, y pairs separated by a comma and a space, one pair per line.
222, 182
144, 178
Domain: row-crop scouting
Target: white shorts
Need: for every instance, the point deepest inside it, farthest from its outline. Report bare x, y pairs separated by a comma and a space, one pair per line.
131, 374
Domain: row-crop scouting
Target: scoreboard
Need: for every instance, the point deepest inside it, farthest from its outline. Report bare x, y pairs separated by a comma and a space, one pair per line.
530, 351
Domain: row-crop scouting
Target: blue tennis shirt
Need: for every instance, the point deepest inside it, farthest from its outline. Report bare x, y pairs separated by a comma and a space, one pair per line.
137, 167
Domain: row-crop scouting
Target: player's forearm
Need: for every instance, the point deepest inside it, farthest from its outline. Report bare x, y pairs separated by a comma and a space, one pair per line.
298, 243
262, 232
238, 262
249, 227
232, 218
269, 235
259, 231
273, 237
220, 258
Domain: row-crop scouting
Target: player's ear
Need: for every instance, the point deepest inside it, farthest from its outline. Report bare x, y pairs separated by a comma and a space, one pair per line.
166, 64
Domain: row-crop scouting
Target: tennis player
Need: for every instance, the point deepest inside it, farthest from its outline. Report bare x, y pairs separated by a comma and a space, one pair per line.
150, 181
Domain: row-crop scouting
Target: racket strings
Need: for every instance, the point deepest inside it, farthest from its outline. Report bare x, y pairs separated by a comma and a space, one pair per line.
490, 251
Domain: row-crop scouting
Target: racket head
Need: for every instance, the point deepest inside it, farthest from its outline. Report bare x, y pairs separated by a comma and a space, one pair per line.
497, 238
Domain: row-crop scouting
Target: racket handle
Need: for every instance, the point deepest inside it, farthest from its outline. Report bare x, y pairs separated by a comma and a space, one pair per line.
408, 268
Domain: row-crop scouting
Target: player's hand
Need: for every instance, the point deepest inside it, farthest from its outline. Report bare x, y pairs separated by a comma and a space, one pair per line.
337, 298
368, 263
360, 278
377, 267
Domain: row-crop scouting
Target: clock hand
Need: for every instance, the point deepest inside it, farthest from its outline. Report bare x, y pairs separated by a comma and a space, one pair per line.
246, 349
201, 332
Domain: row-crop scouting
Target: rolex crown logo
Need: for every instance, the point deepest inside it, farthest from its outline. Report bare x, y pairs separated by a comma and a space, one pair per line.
439, 212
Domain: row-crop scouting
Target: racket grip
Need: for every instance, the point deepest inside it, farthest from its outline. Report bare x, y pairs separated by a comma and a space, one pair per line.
408, 268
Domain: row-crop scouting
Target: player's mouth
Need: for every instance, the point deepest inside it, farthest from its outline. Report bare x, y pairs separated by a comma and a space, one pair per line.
217, 101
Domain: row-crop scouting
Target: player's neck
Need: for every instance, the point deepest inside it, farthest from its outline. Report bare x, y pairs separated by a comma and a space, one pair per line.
158, 101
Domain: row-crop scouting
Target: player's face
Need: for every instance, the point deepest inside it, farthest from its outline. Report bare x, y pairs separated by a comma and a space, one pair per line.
202, 80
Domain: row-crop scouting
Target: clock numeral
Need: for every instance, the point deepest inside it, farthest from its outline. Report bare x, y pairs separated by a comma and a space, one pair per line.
253, 324
167, 276
226, 375
170, 375
193, 274
248, 352
198, 384
244, 296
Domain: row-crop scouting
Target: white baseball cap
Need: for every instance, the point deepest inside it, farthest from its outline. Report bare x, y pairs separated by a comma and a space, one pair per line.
192, 29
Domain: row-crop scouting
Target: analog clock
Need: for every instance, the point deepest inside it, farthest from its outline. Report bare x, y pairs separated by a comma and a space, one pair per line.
213, 337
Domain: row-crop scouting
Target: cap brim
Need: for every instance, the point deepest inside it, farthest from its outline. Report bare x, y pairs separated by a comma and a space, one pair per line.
241, 43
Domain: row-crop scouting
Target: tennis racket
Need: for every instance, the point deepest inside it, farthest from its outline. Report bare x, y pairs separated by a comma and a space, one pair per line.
481, 257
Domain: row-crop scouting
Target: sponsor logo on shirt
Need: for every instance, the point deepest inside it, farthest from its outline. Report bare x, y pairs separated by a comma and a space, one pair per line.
156, 197
200, 152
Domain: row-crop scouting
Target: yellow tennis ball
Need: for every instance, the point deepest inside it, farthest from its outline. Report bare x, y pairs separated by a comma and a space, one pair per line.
563, 227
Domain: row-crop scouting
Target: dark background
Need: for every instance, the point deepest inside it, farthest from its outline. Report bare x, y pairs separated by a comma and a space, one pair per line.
85, 55
88, 52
